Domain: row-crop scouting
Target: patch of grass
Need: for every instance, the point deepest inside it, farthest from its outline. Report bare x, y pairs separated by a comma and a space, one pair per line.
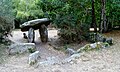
31, 50
62, 48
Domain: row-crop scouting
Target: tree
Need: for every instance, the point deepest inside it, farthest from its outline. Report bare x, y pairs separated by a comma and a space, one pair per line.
112, 13
27, 10
93, 17
103, 25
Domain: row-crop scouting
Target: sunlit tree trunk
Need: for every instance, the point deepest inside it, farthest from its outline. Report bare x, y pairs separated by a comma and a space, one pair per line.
103, 25
93, 17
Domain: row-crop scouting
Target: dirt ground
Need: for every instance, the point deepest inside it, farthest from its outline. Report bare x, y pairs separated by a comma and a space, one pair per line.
104, 60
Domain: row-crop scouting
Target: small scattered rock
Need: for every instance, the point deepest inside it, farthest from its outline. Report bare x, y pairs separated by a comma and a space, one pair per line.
19, 48
85, 58
33, 58
70, 51
94, 45
103, 40
71, 58
50, 39
109, 41
56, 70
49, 61
25, 36
58, 32
100, 37
97, 37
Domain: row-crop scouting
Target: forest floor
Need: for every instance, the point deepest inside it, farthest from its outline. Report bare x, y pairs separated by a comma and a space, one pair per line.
103, 60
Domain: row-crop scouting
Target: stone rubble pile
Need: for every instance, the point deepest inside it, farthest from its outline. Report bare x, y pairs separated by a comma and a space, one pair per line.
74, 54
97, 37
92, 46
77, 54
19, 48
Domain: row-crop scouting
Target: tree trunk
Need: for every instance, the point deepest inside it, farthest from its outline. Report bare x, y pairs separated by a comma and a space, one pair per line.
103, 25
93, 17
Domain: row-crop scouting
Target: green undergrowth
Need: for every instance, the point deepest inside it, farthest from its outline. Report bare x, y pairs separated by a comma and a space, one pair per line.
31, 50
84, 48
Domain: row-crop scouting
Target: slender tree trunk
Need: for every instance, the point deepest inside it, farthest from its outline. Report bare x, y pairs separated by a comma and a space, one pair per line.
103, 25
104, 17
93, 17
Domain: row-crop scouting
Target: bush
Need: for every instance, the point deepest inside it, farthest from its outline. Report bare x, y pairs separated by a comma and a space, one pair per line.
6, 17
5, 26
77, 34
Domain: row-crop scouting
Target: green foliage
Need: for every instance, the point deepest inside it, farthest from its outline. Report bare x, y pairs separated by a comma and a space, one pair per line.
73, 17
6, 9
70, 16
113, 9
27, 10
31, 50
106, 44
6, 16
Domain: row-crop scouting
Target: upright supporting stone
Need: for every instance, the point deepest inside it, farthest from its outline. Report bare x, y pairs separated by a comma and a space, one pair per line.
31, 35
43, 33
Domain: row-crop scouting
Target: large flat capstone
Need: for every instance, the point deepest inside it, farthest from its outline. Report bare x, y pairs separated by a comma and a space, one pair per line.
19, 48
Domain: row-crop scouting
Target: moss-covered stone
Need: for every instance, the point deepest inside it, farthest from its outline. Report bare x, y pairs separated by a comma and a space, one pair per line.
94, 46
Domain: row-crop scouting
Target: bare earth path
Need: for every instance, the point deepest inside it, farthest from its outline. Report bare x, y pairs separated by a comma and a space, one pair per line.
104, 60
